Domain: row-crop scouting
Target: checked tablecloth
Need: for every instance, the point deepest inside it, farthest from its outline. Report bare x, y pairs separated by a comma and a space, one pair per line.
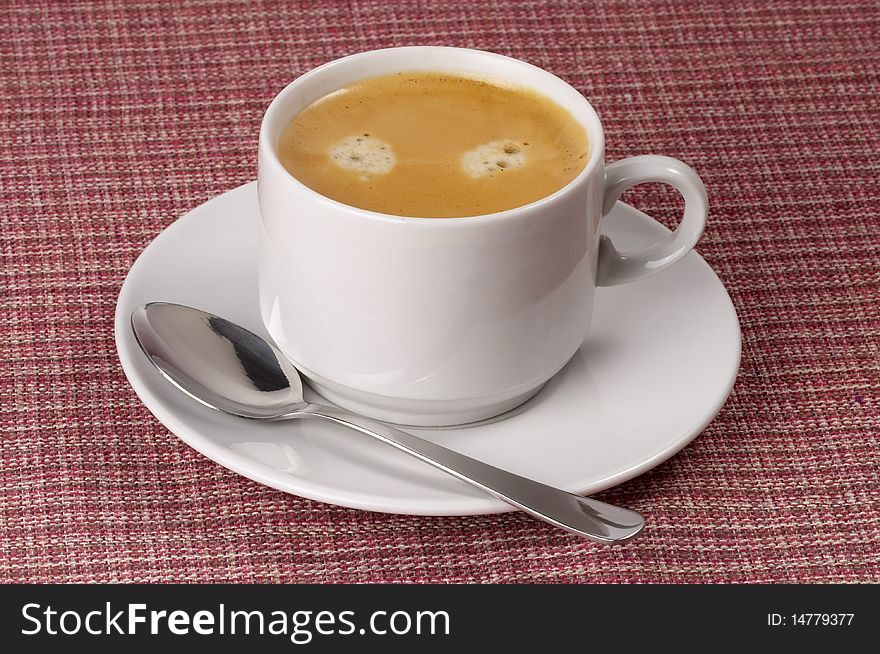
118, 117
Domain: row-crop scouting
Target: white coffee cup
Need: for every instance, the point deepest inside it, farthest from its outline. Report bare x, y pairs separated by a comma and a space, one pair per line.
426, 321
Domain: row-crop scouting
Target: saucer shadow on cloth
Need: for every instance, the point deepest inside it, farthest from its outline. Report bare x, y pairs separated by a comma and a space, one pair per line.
658, 364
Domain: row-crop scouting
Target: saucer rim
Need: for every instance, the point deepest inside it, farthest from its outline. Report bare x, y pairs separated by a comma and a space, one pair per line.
462, 506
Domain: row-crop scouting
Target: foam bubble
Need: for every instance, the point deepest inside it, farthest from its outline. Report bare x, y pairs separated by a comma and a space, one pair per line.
364, 154
493, 157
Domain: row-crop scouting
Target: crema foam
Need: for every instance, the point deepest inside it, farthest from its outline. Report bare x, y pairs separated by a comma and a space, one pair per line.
432, 145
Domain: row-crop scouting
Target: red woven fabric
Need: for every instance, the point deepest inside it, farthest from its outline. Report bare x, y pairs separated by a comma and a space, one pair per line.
118, 117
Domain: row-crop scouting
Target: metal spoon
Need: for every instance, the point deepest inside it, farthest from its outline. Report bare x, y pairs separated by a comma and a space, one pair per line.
230, 369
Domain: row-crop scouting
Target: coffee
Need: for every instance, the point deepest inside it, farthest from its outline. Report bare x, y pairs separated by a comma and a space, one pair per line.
434, 145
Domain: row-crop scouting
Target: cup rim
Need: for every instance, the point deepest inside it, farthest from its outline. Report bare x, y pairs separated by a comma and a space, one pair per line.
596, 142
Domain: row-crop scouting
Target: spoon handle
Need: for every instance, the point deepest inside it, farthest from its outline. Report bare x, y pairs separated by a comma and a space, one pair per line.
583, 516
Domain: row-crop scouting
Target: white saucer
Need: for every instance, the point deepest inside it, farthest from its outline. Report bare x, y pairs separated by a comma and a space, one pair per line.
659, 363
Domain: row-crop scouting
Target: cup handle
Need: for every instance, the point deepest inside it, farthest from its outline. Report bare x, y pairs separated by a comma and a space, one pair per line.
620, 267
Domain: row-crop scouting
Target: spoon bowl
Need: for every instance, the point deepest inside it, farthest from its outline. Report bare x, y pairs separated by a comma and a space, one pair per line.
217, 362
